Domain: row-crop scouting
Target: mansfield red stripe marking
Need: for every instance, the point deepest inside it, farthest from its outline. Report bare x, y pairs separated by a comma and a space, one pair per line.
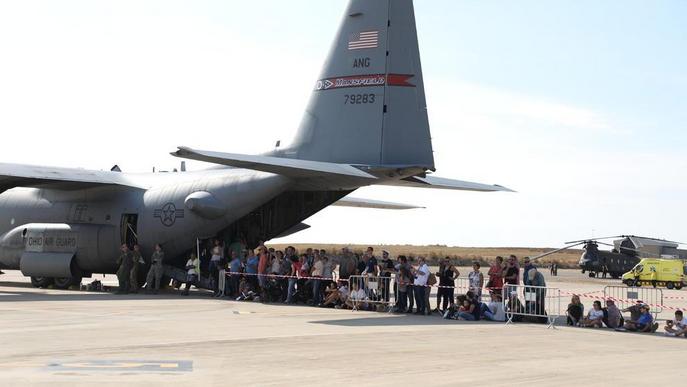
370, 80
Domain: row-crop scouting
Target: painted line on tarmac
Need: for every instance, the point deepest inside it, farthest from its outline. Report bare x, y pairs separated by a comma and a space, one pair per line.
123, 366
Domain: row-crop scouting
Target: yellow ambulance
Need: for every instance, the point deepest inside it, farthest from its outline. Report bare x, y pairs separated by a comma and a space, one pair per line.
657, 272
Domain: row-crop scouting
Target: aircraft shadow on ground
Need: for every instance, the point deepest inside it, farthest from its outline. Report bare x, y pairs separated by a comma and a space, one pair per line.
398, 321
19, 296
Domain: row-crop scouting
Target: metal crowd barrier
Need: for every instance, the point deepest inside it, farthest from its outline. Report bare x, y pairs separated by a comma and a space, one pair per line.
532, 304
625, 296
378, 291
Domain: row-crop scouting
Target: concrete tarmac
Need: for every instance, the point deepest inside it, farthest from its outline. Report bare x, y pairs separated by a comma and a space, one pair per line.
54, 337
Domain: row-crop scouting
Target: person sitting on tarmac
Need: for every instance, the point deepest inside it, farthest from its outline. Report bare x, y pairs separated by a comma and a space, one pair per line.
575, 310
246, 290
594, 318
612, 316
467, 310
494, 310
336, 294
357, 298
645, 322
635, 310
677, 327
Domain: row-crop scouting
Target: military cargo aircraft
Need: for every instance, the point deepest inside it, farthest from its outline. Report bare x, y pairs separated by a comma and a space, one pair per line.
365, 124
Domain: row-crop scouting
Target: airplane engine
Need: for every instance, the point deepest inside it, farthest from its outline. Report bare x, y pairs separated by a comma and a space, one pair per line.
205, 204
58, 250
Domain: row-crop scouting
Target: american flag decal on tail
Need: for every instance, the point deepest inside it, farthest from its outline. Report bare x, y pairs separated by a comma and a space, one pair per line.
362, 40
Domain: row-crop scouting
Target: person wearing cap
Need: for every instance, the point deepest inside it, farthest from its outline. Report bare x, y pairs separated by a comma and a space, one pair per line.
645, 322
634, 310
536, 279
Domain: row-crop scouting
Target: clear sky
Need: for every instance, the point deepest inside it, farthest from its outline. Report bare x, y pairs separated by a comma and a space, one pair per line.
580, 106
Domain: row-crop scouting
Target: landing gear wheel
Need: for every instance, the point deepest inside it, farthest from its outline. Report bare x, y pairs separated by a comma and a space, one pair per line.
66, 282
592, 274
41, 282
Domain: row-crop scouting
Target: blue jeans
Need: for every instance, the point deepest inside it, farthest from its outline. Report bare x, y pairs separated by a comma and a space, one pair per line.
316, 293
466, 316
401, 305
420, 298
291, 290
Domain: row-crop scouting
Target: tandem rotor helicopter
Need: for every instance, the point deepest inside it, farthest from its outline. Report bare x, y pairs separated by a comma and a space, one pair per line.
627, 252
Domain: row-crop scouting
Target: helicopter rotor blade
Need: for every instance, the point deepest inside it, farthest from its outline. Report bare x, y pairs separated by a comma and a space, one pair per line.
596, 239
556, 250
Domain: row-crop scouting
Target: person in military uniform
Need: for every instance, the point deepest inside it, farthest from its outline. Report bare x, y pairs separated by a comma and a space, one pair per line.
124, 271
155, 273
137, 262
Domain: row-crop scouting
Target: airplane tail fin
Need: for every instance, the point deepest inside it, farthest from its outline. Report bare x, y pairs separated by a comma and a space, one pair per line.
368, 105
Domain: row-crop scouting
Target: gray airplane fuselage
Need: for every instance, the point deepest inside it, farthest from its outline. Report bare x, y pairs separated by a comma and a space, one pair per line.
163, 212
366, 123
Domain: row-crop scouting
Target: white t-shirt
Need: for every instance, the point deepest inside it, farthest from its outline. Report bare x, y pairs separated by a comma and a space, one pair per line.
421, 279
497, 309
681, 324
276, 265
343, 291
358, 295
595, 314
216, 254
191, 262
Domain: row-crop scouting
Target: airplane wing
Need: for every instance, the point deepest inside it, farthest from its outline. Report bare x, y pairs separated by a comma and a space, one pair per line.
369, 203
282, 166
21, 175
442, 183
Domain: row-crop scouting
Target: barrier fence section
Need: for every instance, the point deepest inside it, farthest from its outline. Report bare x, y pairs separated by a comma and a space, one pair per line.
532, 304
375, 291
625, 296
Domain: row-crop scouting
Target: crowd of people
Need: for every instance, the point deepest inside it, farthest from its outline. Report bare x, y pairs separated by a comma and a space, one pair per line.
610, 316
364, 282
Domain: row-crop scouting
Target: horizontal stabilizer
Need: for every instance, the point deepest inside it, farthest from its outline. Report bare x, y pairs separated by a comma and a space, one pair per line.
369, 203
442, 183
21, 175
282, 166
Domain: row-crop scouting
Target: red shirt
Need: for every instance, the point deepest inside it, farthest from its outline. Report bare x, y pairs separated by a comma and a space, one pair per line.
262, 264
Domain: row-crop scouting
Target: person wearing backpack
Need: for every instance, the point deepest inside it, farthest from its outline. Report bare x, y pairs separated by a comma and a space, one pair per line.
447, 275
